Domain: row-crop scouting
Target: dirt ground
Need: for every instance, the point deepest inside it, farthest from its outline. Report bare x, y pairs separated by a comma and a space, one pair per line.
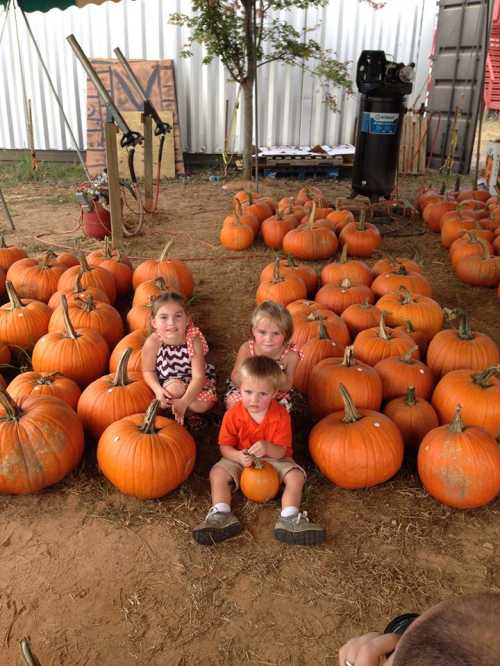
97, 578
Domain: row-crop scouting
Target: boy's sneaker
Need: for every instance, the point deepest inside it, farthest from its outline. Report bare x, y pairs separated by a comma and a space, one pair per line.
297, 529
217, 526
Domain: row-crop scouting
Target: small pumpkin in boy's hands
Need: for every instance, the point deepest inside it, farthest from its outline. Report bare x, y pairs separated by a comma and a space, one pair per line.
260, 482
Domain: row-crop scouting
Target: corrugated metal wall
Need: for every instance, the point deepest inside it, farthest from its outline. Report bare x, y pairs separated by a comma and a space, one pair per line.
291, 110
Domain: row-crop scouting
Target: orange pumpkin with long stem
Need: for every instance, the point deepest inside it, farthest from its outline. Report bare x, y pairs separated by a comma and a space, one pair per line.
41, 440
452, 349
145, 455
281, 288
289, 266
23, 323
481, 270
76, 293
149, 289
90, 276
239, 217
80, 354
392, 281
96, 257
477, 392
415, 417
175, 272
110, 398
87, 313
275, 228
307, 327
467, 245
310, 241
459, 465
363, 382
356, 448
260, 482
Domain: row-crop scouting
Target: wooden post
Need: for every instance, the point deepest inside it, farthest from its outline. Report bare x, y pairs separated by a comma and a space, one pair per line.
110, 131
6, 211
148, 161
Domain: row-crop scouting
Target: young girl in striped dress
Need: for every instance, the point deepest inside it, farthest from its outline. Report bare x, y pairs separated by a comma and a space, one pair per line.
173, 359
272, 328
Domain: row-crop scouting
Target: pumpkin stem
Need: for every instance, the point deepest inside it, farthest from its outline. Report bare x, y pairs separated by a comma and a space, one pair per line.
238, 209
47, 257
148, 425
464, 327
49, 378
348, 356
121, 377
108, 254
68, 326
276, 271
323, 332
484, 245
382, 331
312, 214
84, 265
411, 396
88, 304
406, 296
457, 425
345, 283
14, 299
401, 270
351, 414
160, 284
483, 378
361, 223
2, 241
12, 410
343, 254
165, 251
78, 288
407, 357
290, 261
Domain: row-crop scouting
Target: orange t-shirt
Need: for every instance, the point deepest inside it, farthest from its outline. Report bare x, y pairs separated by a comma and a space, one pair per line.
238, 428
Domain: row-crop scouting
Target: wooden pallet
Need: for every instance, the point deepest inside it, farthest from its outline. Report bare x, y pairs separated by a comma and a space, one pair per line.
413, 145
158, 79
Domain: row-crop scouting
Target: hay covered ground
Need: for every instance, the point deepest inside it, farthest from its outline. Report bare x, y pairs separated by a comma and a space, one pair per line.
94, 577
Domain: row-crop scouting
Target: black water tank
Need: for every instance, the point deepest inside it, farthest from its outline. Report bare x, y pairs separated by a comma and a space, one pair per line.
383, 85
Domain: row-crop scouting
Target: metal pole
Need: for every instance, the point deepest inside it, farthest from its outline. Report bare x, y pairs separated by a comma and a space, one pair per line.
91, 73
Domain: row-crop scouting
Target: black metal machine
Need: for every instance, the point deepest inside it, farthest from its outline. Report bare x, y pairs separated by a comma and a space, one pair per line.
383, 86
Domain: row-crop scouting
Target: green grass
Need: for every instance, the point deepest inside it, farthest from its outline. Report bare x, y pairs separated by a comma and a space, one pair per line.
21, 172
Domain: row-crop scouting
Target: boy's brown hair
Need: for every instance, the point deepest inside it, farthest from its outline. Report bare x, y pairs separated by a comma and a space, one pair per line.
168, 297
263, 368
277, 313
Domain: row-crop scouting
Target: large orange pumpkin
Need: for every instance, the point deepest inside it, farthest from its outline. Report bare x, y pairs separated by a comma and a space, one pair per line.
416, 283
80, 354
41, 441
260, 482
339, 296
361, 237
460, 465
281, 288
307, 327
77, 292
175, 272
112, 397
135, 340
356, 449
311, 241
145, 455
477, 392
90, 276
359, 316
353, 269
374, 344
9, 254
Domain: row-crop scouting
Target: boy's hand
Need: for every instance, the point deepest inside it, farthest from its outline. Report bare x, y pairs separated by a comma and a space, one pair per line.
245, 459
367, 650
258, 449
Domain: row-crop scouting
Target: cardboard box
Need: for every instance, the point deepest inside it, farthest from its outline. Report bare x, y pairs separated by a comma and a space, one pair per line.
492, 167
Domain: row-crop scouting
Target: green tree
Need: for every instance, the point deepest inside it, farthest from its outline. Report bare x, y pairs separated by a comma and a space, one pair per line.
247, 34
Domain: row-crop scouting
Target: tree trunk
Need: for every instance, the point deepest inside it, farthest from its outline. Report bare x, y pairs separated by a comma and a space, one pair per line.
247, 128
